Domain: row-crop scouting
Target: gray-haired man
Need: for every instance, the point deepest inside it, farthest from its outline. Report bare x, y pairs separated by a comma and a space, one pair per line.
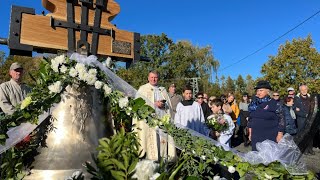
13, 92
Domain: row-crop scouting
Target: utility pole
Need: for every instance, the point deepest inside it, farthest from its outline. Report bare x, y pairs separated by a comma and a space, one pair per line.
194, 84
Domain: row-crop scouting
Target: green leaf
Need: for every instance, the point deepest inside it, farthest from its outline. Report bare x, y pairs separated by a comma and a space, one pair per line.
118, 164
118, 174
133, 165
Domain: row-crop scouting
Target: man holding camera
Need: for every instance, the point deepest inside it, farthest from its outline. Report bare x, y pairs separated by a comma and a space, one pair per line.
156, 94
149, 137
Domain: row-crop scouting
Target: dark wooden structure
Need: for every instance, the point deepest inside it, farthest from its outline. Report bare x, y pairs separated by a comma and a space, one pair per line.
72, 25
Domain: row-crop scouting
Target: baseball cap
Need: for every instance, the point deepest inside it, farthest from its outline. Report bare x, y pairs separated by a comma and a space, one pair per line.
15, 65
290, 89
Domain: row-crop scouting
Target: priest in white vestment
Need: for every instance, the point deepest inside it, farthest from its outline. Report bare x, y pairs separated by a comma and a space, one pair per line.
189, 113
154, 143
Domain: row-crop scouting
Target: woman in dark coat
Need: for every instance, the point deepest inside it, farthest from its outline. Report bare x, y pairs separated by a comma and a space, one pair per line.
289, 116
266, 120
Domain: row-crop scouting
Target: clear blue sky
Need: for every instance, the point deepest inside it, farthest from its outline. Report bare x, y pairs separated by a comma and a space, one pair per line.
234, 29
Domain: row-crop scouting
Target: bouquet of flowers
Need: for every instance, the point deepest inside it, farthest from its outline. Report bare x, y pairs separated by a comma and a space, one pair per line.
217, 123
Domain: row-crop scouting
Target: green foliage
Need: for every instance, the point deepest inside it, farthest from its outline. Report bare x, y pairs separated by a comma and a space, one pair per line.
174, 61
296, 62
117, 157
12, 164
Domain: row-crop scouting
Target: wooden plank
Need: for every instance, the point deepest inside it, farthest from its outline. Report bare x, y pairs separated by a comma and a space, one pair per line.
58, 10
36, 31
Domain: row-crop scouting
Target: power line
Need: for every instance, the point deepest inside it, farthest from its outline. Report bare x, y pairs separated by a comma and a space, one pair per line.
271, 41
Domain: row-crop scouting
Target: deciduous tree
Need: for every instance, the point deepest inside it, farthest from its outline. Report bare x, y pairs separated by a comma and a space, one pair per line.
297, 62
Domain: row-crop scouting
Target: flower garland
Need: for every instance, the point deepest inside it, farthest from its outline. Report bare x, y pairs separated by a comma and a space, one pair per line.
55, 75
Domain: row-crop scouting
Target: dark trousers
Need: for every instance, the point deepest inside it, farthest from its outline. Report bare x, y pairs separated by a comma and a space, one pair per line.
301, 123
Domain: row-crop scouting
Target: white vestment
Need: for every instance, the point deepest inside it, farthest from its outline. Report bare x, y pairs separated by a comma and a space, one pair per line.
191, 116
153, 142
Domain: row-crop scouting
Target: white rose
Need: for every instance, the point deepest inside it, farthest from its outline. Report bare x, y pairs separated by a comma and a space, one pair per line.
107, 89
98, 84
216, 177
123, 102
55, 87
231, 169
83, 75
91, 79
73, 72
54, 65
80, 67
60, 59
92, 72
63, 69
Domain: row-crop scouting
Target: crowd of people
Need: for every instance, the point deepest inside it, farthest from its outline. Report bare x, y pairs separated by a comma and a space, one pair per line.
264, 115
252, 119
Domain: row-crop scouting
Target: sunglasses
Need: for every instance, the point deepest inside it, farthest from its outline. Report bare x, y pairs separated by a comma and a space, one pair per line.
276, 95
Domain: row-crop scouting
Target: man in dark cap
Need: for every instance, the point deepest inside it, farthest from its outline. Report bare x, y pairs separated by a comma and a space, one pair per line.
266, 117
13, 92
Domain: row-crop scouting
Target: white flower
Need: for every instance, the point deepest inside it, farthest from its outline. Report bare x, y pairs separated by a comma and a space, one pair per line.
55, 87
107, 89
145, 169
193, 152
216, 177
231, 169
54, 65
123, 102
80, 67
215, 159
130, 108
203, 157
26, 102
60, 59
73, 72
92, 72
63, 69
83, 75
90, 79
98, 84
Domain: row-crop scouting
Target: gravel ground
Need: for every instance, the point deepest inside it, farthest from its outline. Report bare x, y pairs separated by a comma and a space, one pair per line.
312, 161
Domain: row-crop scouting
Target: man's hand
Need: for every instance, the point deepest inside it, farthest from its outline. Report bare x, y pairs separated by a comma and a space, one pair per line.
159, 104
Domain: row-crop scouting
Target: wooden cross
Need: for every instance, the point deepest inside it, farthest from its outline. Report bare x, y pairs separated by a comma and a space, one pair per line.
72, 25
